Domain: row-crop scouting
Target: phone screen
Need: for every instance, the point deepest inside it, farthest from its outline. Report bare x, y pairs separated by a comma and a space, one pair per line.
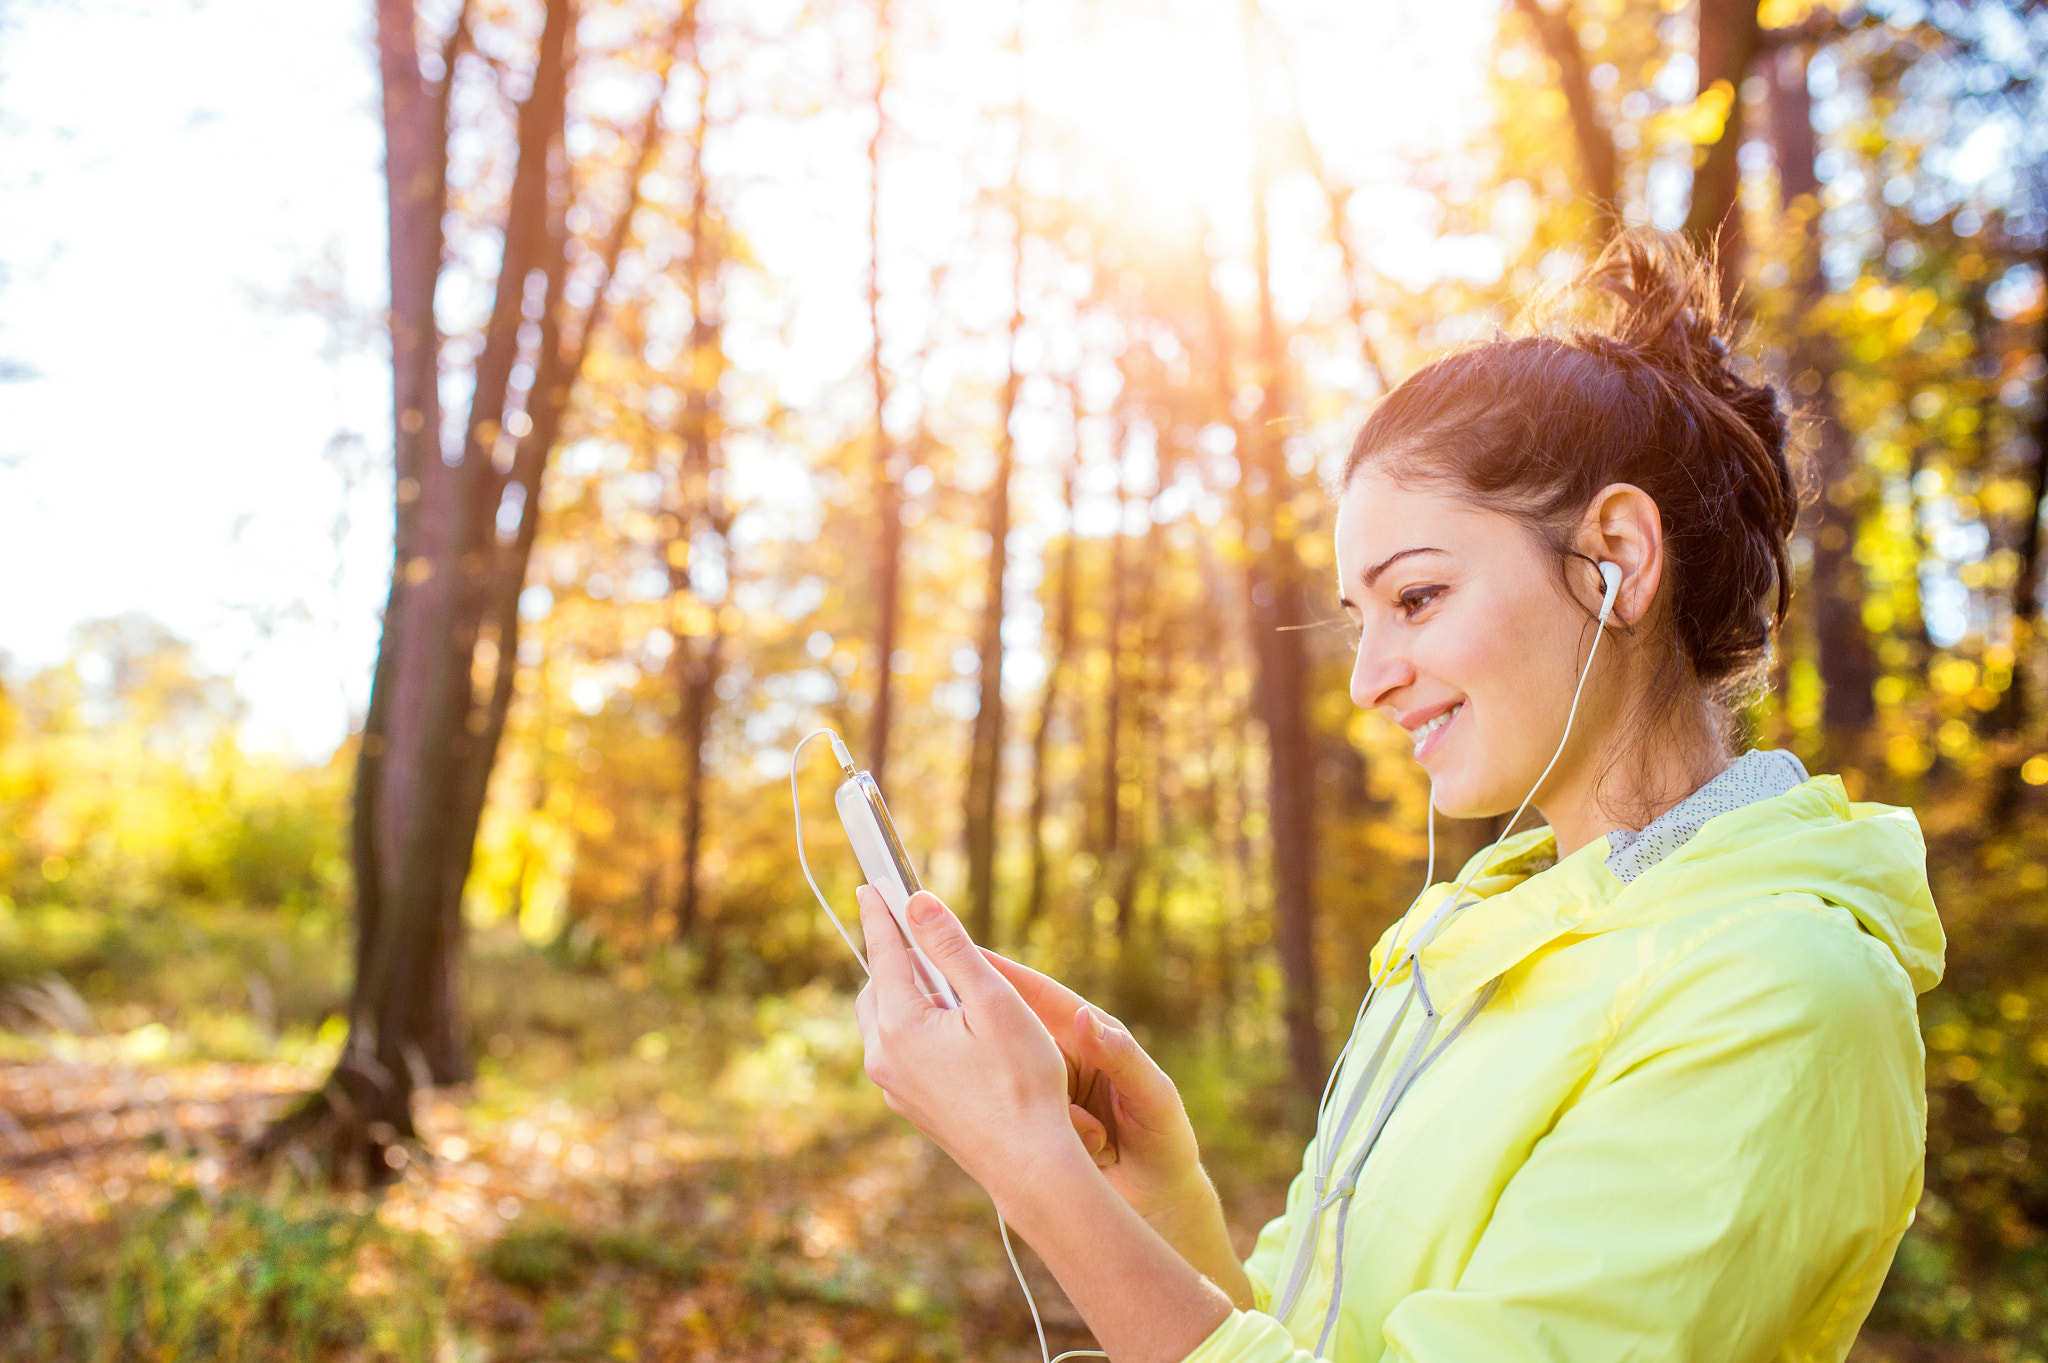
873, 794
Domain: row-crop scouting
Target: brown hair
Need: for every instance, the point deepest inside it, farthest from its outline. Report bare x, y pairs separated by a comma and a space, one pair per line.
1533, 426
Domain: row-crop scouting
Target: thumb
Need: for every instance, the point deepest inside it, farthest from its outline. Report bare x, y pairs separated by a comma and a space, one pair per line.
943, 937
1103, 1042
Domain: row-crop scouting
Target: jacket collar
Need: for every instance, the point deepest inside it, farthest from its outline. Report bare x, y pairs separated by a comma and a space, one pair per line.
1580, 892
1482, 941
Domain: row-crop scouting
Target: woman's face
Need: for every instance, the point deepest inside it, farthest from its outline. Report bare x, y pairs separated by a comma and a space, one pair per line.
1466, 640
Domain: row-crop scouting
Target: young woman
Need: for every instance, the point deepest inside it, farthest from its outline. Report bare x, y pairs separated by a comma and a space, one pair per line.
1645, 1083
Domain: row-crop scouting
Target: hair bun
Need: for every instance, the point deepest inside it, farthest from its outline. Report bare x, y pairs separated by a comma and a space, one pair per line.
1663, 304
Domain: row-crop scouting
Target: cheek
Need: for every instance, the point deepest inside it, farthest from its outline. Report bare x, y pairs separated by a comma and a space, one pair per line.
1472, 659
1505, 666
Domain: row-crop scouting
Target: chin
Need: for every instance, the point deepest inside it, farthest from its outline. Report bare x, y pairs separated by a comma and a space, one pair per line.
1452, 807
1456, 798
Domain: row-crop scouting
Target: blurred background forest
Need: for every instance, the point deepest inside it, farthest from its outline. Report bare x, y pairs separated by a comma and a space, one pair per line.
1039, 528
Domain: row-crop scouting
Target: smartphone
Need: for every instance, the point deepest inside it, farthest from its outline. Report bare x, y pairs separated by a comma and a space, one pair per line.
887, 868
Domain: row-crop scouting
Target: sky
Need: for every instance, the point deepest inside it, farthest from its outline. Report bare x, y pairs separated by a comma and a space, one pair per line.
168, 432
194, 411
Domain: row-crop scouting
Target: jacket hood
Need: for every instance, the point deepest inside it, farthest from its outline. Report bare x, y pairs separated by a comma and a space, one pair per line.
1869, 859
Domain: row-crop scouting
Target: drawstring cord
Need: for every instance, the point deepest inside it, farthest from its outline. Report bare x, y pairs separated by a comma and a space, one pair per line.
1349, 1185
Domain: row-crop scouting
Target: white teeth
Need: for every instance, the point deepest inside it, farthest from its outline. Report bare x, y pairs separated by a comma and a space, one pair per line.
1424, 731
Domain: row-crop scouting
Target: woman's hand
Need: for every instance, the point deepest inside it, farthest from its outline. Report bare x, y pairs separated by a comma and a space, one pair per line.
987, 1082
983, 1080
1126, 1111
1131, 1121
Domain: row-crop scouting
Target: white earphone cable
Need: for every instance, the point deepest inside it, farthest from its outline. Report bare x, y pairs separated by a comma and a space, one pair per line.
797, 803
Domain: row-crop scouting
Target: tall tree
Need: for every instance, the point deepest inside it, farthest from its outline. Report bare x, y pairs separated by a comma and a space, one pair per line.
888, 474
985, 758
700, 503
465, 524
1109, 844
1056, 668
1599, 161
1729, 40
1846, 658
1277, 589
2014, 711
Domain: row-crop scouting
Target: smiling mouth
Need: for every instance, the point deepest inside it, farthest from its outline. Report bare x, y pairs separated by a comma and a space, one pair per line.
1424, 732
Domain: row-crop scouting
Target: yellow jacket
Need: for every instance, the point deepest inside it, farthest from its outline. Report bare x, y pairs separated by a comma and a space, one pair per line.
1689, 1123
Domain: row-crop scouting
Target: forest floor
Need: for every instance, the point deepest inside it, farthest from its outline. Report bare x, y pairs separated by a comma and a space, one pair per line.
555, 1231
633, 1175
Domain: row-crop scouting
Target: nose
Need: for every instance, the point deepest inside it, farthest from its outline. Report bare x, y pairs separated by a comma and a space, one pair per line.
1378, 672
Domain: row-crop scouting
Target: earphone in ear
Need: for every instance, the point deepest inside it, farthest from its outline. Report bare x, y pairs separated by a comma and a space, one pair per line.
1610, 573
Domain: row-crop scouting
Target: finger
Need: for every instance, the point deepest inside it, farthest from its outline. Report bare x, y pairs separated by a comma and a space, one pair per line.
1052, 1001
1094, 1136
888, 957
872, 1058
944, 939
1100, 1040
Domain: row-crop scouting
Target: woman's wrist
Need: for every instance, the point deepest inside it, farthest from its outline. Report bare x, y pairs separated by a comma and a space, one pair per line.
1141, 1296
1193, 1224
1033, 1181
1040, 1196
1191, 1200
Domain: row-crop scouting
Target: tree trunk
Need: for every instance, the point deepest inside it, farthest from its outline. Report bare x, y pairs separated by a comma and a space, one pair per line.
1139, 935
1278, 609
1848, 663
1048, 709
985, 758
1127, 775
1728, 42
888, 497
406, 1002
1229, 796
1274, 587
2014, 711
1110, 837
699, 499
452, 618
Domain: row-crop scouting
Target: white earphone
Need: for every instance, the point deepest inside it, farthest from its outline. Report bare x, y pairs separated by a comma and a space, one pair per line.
1610, 574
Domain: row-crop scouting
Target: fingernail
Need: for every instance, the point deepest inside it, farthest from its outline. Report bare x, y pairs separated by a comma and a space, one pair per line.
1092, 1140
1095, 1024
924, 908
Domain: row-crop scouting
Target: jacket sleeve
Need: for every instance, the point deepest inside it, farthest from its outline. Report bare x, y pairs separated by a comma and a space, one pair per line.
1747, 1149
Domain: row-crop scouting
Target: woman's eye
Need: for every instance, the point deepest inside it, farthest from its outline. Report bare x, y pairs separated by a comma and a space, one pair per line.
1415, 598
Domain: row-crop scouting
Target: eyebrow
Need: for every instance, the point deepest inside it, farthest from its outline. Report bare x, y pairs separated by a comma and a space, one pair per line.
1372, 574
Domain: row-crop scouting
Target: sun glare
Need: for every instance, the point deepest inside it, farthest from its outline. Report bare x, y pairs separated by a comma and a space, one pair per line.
1162, 100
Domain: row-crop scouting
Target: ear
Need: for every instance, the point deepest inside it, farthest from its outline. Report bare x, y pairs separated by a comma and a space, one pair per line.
1623, 526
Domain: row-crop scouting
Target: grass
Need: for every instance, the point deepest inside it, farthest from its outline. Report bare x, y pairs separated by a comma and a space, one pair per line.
644, 1171
237, 1275
637, 1171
